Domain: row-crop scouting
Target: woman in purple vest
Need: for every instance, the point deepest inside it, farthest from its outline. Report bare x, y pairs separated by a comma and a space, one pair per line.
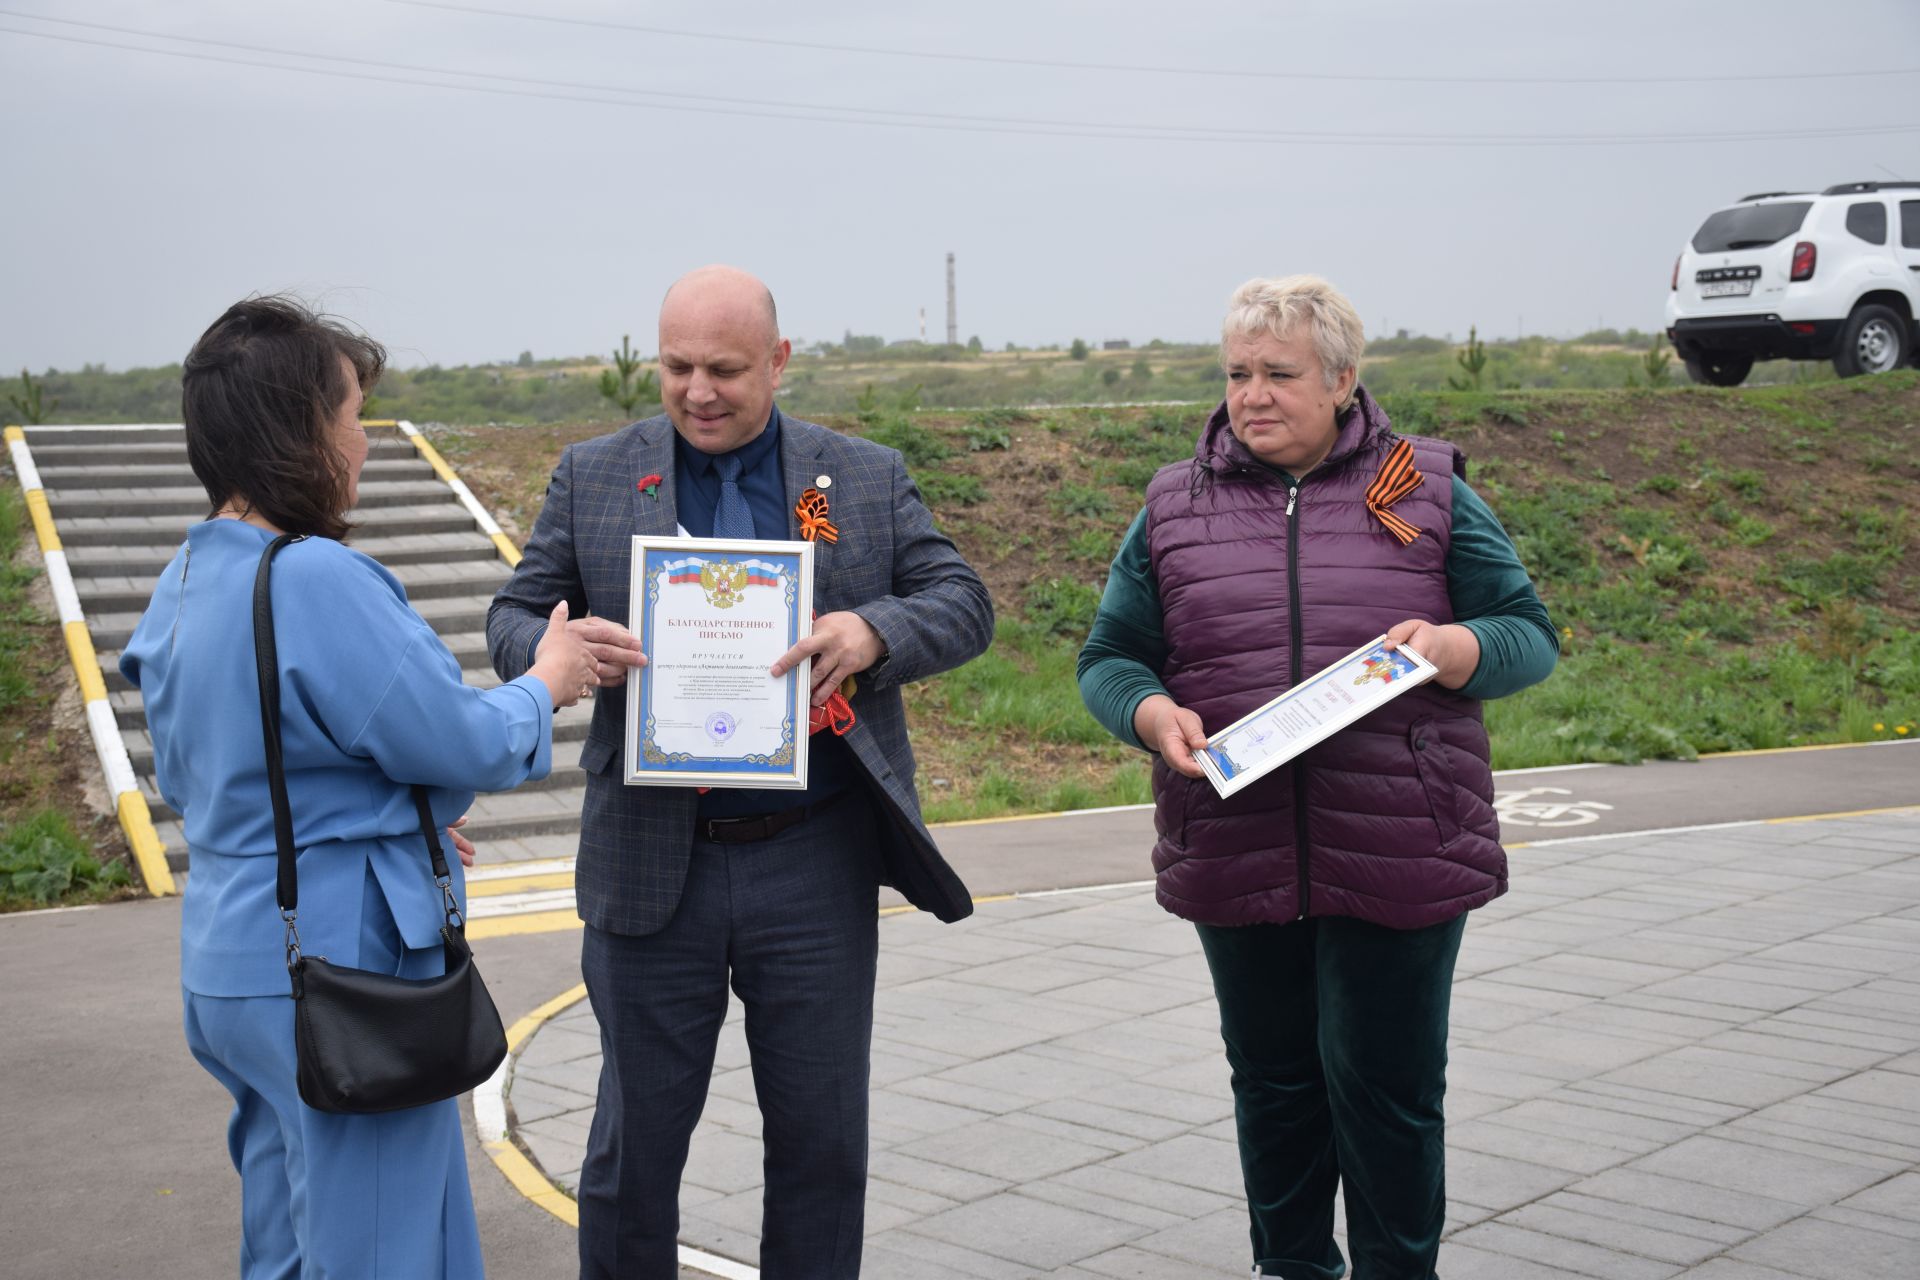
1330, 896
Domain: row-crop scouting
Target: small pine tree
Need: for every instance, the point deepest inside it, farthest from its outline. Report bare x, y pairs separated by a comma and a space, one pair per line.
31, 404
634, 386
1078, 350
1472, 359
1657, 363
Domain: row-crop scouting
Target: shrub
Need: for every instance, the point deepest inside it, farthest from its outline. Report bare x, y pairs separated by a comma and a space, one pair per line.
950, 489
42, 860
1063, 607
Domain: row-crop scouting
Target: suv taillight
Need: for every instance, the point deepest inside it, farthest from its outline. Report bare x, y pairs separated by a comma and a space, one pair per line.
1803, 260
1675, 284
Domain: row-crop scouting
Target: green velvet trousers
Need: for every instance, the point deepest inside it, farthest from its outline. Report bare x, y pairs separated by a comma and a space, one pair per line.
1336, 1031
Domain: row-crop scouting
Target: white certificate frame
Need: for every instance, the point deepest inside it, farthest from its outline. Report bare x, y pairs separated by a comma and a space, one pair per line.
1215, 758
654, 559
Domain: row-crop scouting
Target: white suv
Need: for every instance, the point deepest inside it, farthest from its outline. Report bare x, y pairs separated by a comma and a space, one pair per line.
1799, 276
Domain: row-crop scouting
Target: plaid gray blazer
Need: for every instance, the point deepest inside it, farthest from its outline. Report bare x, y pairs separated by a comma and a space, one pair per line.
891, 566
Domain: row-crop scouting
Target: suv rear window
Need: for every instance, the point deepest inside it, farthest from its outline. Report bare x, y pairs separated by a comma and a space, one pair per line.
1868, 221
1750, 226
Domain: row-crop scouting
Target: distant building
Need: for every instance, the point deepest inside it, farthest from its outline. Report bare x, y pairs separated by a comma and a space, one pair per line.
1116, 344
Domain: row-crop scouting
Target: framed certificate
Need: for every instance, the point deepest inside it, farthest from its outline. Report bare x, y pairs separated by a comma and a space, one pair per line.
712, 616
1312, 711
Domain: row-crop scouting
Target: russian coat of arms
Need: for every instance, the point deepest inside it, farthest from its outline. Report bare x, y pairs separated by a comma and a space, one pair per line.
723, 583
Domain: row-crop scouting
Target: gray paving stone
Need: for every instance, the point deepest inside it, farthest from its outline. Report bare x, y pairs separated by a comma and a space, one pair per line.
1189, 1160
998, 1149
1465, 1260
1732, 1269
1122, 1185
1823, 1250
1555, 1151
908, 1256
1500, 1182
1032, 1232
1666, 1237
1556, 1251
1217, 1244
1130, 1263
1693, 1073
1715, 1161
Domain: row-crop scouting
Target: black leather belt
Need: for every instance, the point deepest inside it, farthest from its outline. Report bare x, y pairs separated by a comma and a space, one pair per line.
760, 826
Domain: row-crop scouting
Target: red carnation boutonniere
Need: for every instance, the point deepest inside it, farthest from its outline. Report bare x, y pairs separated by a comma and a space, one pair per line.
650, 485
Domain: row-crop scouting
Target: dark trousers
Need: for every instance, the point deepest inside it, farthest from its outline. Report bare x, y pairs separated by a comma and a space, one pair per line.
793, 922
1337, 1034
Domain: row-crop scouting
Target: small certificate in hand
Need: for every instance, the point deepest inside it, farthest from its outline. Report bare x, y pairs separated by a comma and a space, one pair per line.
712, 616
1310, 712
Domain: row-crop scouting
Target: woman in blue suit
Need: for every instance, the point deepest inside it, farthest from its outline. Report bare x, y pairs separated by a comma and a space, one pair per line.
370, 702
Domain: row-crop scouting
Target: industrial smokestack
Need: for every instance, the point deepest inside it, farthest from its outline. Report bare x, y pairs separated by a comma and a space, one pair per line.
953, 316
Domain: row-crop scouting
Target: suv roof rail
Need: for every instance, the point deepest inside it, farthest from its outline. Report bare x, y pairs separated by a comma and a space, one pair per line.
1861, 188
1768, 195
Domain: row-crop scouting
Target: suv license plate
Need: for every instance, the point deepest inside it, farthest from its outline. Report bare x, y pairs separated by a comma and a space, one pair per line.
1726, 289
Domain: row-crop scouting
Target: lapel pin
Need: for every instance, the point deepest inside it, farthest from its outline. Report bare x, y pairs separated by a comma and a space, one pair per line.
823, 482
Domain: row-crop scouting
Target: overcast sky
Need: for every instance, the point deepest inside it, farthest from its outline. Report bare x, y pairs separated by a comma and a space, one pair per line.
146, 192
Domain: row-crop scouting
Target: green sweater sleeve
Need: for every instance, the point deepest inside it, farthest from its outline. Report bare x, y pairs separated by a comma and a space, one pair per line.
1494, 598
1120, 664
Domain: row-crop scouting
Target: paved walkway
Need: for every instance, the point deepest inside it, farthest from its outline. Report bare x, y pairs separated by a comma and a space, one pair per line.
1688, 1054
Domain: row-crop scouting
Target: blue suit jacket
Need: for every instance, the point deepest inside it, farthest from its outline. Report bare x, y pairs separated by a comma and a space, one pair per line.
891, 566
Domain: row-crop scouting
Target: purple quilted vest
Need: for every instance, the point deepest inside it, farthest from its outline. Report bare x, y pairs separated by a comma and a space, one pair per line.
1390, 820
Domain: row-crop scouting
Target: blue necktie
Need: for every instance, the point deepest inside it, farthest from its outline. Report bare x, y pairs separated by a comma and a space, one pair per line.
733, 518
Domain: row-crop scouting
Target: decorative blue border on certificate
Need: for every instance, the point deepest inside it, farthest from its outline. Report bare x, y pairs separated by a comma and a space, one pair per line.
658, 564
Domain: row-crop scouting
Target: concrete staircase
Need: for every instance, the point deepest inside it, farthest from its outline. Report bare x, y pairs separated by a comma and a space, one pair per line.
122, 499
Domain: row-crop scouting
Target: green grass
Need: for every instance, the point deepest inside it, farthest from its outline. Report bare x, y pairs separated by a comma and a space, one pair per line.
1719, 596
43, 861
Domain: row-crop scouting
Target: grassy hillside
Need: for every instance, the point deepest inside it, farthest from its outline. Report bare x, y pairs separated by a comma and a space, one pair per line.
1730, 569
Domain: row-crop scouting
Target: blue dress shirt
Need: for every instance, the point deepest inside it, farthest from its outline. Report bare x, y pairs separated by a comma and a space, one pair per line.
763, 484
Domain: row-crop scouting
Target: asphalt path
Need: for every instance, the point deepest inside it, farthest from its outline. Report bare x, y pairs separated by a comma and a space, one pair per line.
115, 1162
1110, 847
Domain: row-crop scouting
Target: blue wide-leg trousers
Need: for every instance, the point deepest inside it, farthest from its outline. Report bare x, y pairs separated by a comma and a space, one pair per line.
331, 1197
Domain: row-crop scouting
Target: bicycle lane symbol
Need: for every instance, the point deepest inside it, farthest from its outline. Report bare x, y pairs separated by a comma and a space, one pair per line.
1532, 808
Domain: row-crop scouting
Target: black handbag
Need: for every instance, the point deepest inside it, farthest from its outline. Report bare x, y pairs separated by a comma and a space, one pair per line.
370, 1042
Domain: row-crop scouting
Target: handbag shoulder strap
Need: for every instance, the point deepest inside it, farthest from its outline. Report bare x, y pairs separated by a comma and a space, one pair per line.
267, 664
266, 660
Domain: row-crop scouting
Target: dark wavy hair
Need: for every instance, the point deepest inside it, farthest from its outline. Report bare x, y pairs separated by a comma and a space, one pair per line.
258, 391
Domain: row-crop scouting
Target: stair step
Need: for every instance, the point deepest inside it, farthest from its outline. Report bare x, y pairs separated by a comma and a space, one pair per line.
412, 548
118, 474
50, 451
192, 501
129, 710
476, 578
170, 530
552, 805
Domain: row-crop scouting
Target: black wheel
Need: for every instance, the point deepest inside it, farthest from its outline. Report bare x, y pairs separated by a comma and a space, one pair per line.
1720, 368
1874, 341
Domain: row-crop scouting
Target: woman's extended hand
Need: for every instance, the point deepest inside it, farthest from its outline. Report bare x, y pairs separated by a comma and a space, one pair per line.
1454, 649
1172, 730
461, 845
563, 662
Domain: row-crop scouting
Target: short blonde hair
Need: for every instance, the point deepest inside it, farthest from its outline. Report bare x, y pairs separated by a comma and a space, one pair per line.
1281, 305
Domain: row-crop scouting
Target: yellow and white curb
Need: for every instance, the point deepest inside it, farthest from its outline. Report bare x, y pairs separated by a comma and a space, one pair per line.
481, 516
135, 818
